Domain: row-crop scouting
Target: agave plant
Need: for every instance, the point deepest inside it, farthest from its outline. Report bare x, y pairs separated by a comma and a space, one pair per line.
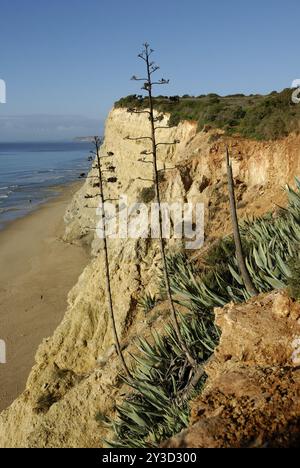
270, 242
294, 200
147, 302
159, 404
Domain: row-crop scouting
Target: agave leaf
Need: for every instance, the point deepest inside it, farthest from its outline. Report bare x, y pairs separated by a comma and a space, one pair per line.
276, 284
236, 275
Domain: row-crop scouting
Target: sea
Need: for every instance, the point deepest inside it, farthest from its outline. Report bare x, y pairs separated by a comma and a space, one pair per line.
31, 174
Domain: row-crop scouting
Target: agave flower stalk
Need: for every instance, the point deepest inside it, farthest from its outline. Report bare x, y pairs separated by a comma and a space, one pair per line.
148, 87
236, 231
97, 144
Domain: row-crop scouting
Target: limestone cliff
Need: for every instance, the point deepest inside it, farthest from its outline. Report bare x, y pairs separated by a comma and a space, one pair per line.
76, 370
195, 170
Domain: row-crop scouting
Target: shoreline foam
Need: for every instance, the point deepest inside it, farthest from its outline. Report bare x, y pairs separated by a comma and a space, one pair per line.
29, 173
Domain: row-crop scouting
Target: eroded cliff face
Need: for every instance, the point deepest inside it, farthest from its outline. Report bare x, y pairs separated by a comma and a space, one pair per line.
195, 171
76, 370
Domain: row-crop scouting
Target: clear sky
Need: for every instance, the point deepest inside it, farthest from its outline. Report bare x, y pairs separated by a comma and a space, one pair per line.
65, 62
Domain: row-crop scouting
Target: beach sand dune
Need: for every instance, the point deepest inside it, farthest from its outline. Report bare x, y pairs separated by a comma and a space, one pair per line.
37, 270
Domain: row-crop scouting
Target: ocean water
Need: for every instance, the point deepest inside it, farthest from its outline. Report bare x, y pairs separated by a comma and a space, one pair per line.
30, 173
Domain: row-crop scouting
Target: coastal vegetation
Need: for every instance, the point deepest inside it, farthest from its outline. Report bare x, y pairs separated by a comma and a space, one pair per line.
257, 117
158, 406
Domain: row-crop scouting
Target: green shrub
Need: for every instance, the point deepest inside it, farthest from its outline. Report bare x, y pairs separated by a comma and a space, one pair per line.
45, 402
147, 194
223, 249
267, 117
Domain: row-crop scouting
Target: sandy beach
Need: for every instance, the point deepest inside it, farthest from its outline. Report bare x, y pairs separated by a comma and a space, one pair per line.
37, 270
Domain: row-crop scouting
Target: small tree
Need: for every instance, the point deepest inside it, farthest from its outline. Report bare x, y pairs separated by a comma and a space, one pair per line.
236, 231
97, 144
151, 68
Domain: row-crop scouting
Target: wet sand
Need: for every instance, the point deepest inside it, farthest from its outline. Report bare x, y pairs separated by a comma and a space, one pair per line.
37, 270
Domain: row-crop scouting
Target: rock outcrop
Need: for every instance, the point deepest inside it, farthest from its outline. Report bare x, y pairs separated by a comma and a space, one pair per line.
252, 396
69, 383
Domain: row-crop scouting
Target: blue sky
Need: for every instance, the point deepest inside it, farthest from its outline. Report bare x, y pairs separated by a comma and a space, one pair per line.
65, 62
